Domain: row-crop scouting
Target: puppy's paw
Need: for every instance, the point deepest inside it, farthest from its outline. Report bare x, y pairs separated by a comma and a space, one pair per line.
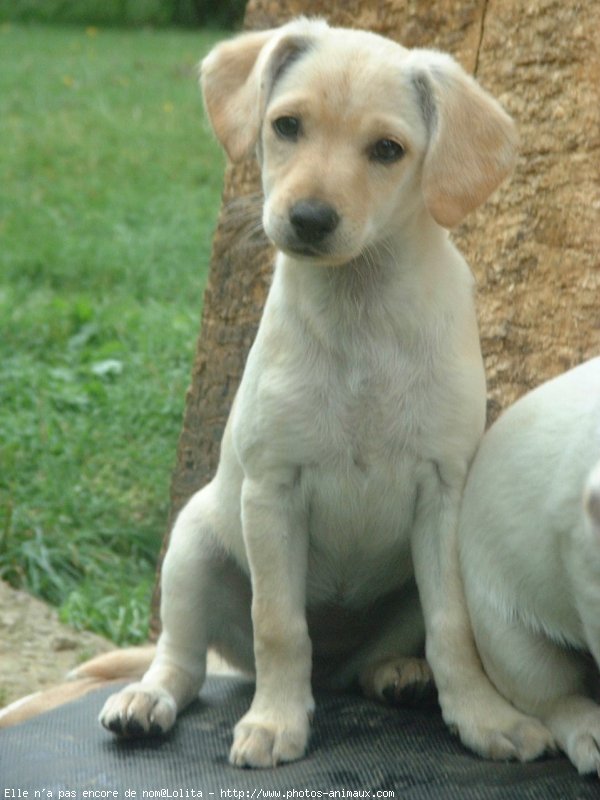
498, 731
399, 681
139, 710
265, 740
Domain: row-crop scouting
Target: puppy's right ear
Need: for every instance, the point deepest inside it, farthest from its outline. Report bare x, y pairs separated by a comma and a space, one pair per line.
230, 86
237, 77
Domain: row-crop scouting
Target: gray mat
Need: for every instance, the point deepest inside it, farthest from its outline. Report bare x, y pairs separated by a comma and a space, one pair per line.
357, 749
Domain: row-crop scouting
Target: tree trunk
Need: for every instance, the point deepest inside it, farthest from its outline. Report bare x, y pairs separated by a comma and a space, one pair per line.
533, 247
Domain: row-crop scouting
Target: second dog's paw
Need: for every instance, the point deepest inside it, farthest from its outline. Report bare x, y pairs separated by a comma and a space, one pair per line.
583, 744
139, 710
500, 732
265, 740
405, 681
524, 740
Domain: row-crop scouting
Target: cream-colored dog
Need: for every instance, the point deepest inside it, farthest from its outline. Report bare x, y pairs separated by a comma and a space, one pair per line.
530, 552
360, 408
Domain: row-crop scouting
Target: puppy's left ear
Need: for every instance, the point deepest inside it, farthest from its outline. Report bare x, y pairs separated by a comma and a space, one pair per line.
237, 76
472, 140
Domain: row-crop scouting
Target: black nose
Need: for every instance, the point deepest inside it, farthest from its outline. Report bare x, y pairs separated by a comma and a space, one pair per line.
313, 220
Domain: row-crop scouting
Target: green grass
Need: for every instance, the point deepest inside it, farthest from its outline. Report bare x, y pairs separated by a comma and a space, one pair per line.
109, 189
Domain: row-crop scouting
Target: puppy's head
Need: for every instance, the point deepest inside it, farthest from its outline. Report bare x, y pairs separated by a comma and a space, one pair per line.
355, 134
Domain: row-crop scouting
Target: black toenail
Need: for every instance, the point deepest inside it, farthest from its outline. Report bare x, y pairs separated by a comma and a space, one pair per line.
115, 725
134, 728
389, 693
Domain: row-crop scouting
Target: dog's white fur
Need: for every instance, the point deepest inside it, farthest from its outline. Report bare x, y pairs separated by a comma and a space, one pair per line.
530, 553
361, 405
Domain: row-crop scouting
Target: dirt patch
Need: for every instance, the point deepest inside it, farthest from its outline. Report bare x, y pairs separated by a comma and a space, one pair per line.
36, 649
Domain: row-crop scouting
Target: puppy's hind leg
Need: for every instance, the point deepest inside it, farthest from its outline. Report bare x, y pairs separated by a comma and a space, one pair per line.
391, 667
192, 609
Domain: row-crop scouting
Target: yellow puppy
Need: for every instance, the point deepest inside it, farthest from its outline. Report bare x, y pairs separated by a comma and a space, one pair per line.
361, 405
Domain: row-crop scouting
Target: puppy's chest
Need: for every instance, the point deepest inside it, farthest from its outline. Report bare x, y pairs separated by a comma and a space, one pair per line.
352, 428
359, 519
364, 414
360, 490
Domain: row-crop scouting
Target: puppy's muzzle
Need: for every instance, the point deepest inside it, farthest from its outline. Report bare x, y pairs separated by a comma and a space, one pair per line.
312, 222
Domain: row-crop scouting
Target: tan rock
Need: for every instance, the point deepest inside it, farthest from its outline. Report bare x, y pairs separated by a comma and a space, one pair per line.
36, 649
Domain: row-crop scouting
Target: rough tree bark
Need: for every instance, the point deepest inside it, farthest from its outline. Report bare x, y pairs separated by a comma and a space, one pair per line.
534, 247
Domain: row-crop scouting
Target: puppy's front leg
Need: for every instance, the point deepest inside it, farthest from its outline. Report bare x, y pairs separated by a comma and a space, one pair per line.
471, 706
276, 727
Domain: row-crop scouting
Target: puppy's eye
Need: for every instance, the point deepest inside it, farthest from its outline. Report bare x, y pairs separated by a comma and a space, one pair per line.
287, 128
386, 151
